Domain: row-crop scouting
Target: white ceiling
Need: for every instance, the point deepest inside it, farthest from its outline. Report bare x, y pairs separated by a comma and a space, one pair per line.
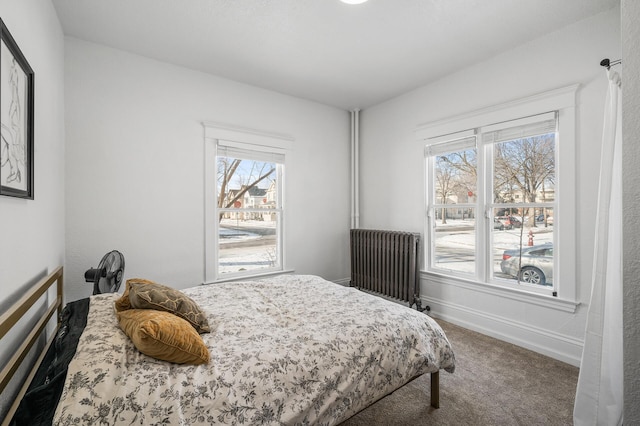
348, 56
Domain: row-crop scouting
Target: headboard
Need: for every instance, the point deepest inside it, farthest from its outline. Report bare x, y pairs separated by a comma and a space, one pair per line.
12, 316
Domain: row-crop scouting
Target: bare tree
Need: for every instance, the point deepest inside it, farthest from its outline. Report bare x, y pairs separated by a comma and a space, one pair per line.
228, 171
446, 182
456, 173
467, 163
524, 166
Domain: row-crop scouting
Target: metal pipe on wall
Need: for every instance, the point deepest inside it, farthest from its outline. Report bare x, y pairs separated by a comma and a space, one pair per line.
355, 172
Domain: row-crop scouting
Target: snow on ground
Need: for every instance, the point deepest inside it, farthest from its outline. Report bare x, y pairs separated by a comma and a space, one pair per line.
235, 235
457, 237
462, 233
250, 251
456, 242
233, 231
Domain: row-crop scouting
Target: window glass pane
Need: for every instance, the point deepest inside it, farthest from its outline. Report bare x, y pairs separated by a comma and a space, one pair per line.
455, 226
247, 241
522, 245
524, 170
246, 183
248, 214
455, 239
522, 235
456, 177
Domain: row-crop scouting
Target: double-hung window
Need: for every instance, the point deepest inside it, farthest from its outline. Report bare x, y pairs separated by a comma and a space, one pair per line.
493, 194
244, 204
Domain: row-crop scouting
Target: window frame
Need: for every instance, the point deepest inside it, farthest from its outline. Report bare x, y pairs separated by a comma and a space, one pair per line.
255, 141
562, 101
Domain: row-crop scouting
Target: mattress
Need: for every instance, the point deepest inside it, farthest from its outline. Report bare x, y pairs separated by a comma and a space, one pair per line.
293, 349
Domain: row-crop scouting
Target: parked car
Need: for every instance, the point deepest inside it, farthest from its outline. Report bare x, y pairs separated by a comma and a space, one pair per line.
540, 219
536, 266
515, 222
501, 223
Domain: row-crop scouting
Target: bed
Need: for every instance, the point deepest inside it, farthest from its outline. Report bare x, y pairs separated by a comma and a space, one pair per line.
292, 349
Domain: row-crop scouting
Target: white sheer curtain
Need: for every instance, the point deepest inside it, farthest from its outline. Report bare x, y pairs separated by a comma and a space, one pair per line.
599, 395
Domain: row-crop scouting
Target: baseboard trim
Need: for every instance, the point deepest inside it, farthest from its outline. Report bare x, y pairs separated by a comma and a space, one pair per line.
555, 345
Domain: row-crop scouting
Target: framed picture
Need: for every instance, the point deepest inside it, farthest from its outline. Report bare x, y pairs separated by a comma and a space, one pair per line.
16, 117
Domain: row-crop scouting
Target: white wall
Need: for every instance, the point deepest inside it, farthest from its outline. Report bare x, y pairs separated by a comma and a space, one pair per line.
631, 206
135, 176
32, 231
392, 169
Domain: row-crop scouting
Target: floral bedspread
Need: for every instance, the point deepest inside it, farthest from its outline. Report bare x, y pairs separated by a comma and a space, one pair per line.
289, 350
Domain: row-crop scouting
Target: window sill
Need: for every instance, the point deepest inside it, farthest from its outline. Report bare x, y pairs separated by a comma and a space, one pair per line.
543, 300
250, 277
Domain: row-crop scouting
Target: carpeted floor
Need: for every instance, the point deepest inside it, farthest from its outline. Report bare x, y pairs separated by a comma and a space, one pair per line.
495, 383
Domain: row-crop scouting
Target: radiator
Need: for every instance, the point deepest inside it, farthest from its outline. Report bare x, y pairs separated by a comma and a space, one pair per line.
386, 263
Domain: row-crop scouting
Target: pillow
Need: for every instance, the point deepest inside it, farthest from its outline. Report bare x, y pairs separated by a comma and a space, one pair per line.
123, 303
164, 336
145, 294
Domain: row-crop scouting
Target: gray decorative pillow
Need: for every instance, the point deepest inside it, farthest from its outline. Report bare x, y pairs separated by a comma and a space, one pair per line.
123, 303
144, 294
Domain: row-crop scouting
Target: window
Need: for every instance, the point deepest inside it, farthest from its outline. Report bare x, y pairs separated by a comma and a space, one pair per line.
492, 194
453, 207
244, 204
521, 157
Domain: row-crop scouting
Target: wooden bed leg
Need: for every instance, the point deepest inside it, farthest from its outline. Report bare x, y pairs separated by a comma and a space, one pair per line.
435, 389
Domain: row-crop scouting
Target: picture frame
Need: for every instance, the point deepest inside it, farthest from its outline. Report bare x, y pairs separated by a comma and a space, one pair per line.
16, 118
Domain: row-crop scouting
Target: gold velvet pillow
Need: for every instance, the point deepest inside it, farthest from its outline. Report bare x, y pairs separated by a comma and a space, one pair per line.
145, 294
164, 336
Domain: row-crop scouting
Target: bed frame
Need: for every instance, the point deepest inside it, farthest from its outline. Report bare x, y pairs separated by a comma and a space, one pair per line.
12, 316
22, 306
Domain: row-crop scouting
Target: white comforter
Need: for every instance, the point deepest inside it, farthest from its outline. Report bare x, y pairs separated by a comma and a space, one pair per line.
293, 349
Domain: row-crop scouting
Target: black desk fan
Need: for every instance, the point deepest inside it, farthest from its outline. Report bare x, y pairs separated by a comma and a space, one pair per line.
107, 277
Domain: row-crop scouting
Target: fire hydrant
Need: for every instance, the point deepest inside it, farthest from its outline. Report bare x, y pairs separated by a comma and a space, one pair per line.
530, 237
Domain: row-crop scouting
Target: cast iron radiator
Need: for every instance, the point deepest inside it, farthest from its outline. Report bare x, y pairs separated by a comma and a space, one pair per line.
386, 263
